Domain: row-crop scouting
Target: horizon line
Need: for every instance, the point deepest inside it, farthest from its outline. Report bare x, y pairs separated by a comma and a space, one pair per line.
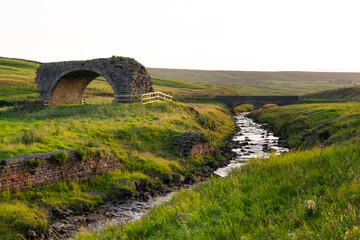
214, 70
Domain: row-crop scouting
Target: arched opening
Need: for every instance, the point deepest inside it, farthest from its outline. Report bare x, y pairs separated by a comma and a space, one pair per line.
99, 90
243, 107
70, 87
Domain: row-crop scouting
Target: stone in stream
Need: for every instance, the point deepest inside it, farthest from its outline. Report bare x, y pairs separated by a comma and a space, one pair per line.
77, 219
68, 227
57, 225
95, 218
68, 212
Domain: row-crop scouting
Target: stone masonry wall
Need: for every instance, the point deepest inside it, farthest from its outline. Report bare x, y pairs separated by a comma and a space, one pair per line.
65, 82
19, 172
191, 144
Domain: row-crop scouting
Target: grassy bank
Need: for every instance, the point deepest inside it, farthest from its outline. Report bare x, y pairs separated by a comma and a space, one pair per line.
141, 137
351, 93
313, 194
17, 81
309, 194
17, 85
307, 125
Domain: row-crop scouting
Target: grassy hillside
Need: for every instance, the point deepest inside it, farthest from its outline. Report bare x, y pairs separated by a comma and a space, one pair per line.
17, 84
347, 94
308, 194
141, 137
307, 125
263, 83
17, 81
312, 194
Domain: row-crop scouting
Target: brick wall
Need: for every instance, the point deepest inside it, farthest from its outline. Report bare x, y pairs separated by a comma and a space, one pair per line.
19, 172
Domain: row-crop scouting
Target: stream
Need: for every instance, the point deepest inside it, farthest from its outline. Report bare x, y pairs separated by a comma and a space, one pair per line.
252, 141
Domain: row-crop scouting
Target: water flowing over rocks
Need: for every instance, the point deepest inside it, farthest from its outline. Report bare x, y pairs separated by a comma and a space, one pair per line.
252, 141
108, 214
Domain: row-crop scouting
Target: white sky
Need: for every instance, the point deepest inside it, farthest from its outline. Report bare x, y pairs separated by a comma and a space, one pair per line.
193, 34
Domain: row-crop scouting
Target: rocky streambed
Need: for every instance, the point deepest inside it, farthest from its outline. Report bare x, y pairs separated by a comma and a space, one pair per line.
107, 214
251, 141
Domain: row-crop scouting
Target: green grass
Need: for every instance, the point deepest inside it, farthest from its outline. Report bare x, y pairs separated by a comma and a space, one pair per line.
243, 108
141, 137
308, 194
17, 85
313, 194
19, 218
261, 83
17, 81
344, 94
307, 125
113, 127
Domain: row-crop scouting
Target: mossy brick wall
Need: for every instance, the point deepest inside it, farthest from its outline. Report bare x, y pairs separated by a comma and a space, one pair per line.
18, 173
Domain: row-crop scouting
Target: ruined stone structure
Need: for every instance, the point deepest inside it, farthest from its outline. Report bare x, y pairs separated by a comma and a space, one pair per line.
257, 101
21, 173
65, 82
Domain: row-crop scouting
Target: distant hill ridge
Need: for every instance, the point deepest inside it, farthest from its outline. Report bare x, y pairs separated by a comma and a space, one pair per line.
21, 59
349, 93
264, 83
252, 82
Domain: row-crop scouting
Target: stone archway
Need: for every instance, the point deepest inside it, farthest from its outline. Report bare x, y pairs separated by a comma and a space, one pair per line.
65, 82
256, 101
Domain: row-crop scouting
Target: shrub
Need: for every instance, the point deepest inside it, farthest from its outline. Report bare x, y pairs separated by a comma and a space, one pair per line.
99, 154
31, 136
174, 166
205, 138
120, 193
34, 163
81, 153
60, 157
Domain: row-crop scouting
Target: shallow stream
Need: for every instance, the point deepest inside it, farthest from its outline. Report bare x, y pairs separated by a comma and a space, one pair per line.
253, 141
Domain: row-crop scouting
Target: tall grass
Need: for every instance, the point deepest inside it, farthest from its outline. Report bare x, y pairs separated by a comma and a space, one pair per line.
313, 194
306, 125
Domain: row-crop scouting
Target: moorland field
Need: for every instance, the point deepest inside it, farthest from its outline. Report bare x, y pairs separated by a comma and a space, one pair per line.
263, 83
313, 192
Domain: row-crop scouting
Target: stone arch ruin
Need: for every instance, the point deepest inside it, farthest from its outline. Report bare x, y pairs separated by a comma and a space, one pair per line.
65, 82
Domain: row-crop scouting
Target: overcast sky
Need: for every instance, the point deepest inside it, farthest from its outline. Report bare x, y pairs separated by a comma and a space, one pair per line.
320, 35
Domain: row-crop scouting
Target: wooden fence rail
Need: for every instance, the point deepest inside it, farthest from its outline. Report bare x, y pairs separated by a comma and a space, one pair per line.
144, 98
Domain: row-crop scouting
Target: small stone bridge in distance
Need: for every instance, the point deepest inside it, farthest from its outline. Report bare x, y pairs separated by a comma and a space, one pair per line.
256, 101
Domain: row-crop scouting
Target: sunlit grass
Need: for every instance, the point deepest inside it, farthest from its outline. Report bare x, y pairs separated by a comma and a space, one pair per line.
141, 137
313, 194
307, 125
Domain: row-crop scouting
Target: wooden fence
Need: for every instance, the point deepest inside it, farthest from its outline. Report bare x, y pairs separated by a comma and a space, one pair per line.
143, 98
